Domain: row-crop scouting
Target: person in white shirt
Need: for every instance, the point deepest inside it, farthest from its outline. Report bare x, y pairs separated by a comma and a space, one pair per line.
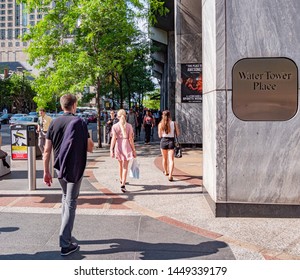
166, 131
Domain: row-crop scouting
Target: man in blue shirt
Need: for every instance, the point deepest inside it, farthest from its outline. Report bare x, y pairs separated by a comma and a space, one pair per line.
68, 136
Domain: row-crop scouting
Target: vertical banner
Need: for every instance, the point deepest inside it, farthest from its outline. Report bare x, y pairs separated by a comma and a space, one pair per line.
191, 83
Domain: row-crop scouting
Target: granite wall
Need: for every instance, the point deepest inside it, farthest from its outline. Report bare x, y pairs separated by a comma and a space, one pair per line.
247, 162
188, 50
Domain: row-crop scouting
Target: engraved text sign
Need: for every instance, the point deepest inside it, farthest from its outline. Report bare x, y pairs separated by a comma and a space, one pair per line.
265, 89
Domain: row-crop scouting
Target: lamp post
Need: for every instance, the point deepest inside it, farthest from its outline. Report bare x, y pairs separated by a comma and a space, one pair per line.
21, 69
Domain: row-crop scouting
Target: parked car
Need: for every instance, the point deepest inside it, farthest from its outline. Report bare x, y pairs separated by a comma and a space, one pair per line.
15, 117
83, 116
54, 116
33, 114
92, 118
25, 120
4, 119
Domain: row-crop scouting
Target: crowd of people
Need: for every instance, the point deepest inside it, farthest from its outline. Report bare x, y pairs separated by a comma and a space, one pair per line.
68, 138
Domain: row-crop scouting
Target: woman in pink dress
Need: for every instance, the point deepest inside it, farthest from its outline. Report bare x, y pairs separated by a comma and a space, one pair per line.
122, 146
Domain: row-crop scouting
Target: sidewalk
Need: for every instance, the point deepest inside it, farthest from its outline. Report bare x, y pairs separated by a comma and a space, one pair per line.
156, 219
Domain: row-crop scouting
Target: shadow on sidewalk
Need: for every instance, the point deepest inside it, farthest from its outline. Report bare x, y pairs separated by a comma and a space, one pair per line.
141, 250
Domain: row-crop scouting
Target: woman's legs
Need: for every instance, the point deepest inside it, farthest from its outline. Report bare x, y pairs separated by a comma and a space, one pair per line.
164, 154
123, 169
171, 163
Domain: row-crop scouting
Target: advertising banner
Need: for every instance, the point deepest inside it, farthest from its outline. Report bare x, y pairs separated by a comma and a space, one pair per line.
18, 142
191, 83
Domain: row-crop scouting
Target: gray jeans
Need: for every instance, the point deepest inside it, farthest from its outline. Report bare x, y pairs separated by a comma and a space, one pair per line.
69, 204
42, 141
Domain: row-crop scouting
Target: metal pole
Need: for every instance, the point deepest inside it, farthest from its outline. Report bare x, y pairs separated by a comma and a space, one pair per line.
31, 162
104, 135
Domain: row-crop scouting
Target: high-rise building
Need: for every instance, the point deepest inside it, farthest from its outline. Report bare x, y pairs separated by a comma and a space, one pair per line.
14, 22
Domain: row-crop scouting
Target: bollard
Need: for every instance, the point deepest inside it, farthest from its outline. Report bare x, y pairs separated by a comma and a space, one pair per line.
104, 135
31, 162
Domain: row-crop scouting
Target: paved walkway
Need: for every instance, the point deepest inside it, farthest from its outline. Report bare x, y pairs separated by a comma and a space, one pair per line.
156, 219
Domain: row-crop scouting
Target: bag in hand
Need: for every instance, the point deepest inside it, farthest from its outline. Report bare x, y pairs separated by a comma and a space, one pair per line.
177, 148
134, 171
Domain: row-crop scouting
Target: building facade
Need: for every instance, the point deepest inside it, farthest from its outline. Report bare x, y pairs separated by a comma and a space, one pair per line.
15, 20
178, 65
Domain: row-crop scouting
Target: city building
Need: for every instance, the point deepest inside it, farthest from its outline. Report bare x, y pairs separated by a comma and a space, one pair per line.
15, 20
177, 42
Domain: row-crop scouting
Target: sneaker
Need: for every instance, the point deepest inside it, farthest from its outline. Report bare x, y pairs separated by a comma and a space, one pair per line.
69, 250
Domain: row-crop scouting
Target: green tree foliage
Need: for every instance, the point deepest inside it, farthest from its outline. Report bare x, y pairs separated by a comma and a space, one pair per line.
83, 42
152, 100
16, 92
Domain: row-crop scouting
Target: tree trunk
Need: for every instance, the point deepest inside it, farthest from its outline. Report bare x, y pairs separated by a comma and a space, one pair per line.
121, 94
98, 102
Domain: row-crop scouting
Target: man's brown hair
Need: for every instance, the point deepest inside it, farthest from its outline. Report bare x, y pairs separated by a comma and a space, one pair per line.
67, 101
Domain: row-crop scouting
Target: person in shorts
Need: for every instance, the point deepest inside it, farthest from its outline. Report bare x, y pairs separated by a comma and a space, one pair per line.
166, 131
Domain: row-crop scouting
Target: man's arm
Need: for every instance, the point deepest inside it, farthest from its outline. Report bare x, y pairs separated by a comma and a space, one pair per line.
90, 146
46, 161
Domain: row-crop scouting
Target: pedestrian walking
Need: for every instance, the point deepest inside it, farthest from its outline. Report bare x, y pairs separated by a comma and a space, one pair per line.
108, 126
148, 124
166, 131
122, 146
139, 117
132, 119
69, 138
43, 125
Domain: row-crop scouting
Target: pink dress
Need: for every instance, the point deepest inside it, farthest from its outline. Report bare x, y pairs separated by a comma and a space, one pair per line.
123, 150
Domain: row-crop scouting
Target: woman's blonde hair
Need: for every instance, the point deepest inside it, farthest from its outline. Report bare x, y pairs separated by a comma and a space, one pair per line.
122, 120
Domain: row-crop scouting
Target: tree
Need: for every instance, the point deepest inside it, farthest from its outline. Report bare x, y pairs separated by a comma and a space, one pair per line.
81, 43
152, 100
16, 93
86, 43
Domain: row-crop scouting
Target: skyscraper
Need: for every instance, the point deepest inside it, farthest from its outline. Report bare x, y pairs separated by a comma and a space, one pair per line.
14, 22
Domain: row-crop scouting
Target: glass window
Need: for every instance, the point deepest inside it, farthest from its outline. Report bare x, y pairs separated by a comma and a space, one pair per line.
2, 34
2, 18
32, 23
2, 12
17, 44
25, 44
2, 24
32, 17
9, 12
9, 33
10, 6
10, 44
17, 33
3, 44
2, 6
9, 18
9, 24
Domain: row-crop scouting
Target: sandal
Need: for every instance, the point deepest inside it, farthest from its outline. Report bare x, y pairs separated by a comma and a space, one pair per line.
123, 189
171, 179
166, 173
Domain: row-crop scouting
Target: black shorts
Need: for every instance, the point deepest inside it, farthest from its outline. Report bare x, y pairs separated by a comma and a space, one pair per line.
167, 143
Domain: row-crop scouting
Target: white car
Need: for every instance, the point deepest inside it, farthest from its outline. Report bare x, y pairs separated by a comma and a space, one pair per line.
15, 117
25, 120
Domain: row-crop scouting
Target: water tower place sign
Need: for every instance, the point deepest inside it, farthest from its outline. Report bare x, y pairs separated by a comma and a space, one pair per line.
265, 89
